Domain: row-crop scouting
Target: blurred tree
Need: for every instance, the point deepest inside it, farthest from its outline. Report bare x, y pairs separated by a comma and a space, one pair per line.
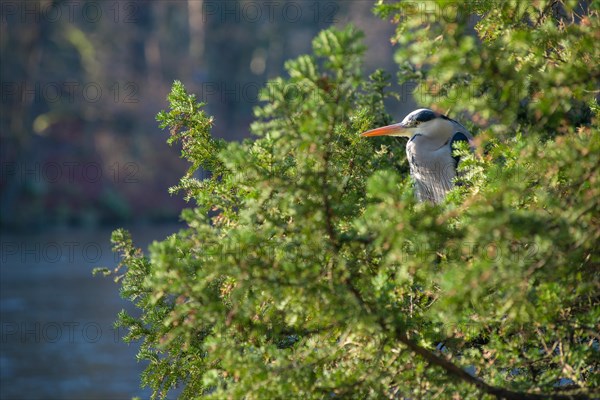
308, 270
73, 81
80, 82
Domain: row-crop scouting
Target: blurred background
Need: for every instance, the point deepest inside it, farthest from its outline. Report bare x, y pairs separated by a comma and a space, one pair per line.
81, 154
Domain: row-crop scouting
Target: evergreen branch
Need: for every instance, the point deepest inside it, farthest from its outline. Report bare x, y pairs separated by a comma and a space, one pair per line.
454, 370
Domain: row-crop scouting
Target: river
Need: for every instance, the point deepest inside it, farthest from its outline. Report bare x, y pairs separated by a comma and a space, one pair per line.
57, 335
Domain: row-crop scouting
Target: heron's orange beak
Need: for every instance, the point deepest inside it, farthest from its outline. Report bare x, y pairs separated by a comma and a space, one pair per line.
390, 130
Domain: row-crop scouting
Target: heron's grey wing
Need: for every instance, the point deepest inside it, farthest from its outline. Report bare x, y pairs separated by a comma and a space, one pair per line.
456, 138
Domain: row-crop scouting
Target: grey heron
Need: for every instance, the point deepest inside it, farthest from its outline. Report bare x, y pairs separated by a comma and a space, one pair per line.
429, 150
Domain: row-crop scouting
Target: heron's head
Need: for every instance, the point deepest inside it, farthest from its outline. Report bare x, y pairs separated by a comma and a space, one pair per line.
422, 121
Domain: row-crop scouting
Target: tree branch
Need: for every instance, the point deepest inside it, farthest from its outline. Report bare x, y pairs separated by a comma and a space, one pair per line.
454, 370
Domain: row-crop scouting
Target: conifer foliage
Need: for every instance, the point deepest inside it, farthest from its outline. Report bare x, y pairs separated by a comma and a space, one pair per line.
308, 270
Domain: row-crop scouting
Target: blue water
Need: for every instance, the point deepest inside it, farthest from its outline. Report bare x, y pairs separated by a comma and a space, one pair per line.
57, 339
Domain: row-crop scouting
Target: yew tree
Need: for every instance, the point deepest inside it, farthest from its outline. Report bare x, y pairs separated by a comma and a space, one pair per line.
307, 268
